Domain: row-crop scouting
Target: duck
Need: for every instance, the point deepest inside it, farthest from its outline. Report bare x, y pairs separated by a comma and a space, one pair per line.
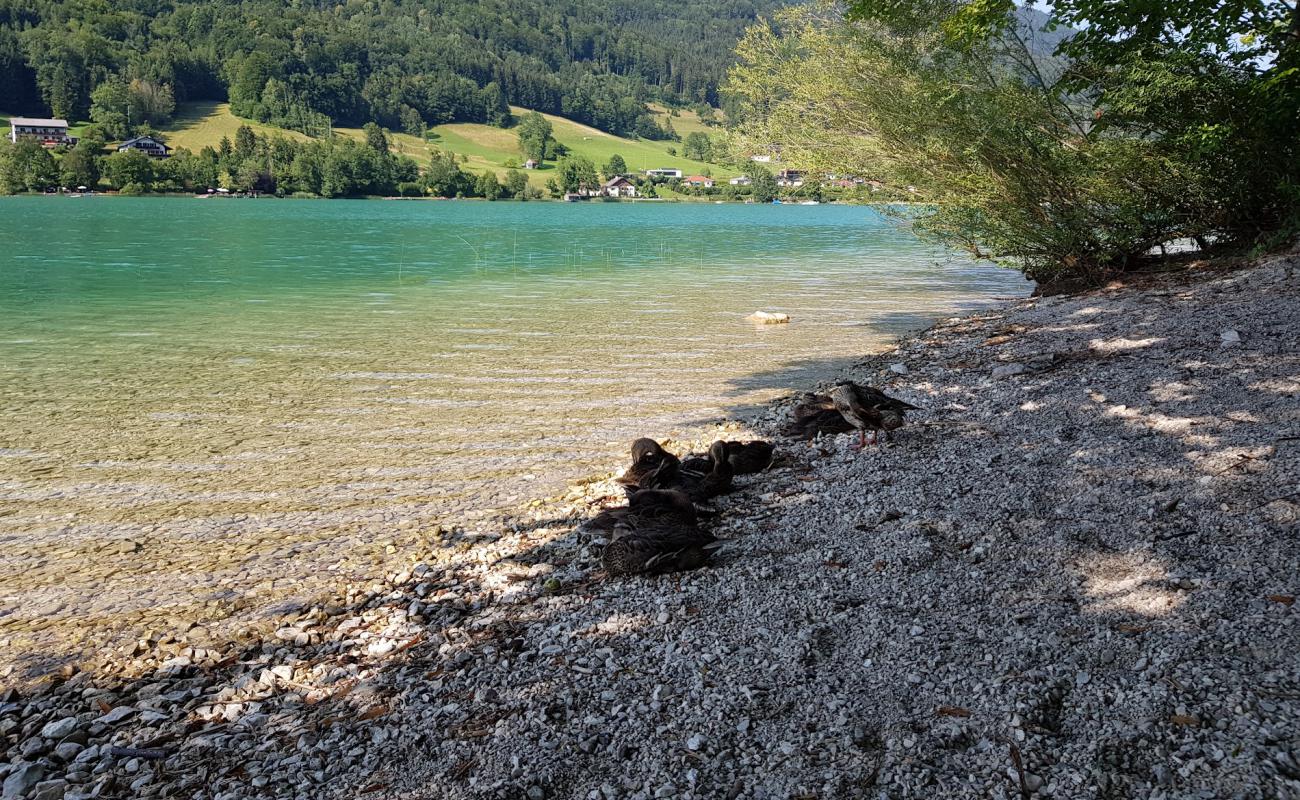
664, 505
746, 458
709, 476
657, 543
750, 457
816, 414
653, 467
869, 409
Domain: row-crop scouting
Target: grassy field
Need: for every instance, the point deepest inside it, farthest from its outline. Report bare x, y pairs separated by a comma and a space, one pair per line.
204, 123
686, 121
486, 147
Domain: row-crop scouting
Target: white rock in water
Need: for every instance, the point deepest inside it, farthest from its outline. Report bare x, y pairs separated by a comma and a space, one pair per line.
770, 318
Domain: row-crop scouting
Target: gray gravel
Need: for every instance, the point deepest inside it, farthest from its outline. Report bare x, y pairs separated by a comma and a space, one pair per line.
1071, 575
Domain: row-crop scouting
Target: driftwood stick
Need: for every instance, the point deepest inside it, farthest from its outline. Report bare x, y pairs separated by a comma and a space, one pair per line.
1020, 768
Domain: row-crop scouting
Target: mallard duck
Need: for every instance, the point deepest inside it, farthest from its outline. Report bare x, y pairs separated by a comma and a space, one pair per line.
746, 458
710, 476
656, 543
653, 467
869, 409
647, 504
816, 414
749, 457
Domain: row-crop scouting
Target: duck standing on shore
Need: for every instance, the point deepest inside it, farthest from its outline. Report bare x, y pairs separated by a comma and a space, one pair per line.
869, 409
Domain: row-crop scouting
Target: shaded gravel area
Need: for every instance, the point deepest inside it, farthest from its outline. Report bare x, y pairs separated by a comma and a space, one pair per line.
1073, 575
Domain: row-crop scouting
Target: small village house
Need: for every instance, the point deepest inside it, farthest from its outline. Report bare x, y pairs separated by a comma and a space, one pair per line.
741, 180
699, 181
49, 132
663, 172
530, 164
791, 178
147, 145
618, 186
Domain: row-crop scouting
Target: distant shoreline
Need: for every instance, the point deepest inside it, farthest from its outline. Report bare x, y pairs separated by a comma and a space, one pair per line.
585, 201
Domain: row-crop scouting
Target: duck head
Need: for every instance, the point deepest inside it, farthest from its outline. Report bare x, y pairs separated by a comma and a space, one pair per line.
647, 451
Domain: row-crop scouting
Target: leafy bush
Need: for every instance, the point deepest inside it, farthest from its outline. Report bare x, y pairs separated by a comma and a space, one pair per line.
1070, 164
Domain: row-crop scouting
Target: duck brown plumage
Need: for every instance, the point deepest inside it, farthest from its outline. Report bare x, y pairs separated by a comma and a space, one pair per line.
645, 505
869, 409
816, 414
710, 481
653, 467
746, 458
660, 542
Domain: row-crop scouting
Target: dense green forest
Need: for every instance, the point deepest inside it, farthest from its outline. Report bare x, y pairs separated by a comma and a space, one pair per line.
305, 64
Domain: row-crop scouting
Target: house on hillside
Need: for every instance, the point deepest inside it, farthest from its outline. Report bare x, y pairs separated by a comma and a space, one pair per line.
147, 145
741, 180
663, 172
699, 181
531, 164
49, 132
791, 178
618, 186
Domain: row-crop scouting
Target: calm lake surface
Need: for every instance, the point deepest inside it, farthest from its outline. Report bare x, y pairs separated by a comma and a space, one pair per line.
198, 369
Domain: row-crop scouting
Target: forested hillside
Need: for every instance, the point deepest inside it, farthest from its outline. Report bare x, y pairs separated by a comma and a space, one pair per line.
403, 63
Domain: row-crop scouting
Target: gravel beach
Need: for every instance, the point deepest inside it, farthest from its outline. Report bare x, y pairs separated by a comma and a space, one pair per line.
1073, 574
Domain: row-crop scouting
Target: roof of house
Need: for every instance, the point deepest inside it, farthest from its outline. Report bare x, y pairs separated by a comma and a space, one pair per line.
617, 179
130, 142
698, 179
38, 122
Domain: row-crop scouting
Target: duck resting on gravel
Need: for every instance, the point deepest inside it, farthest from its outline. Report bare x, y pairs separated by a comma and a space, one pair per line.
816, 414
710, 476
869, 409
653, 467
700, 478
654, 543
746, 458
648, 504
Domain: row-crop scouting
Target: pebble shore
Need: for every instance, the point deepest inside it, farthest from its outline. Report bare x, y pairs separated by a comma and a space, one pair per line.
1072, 575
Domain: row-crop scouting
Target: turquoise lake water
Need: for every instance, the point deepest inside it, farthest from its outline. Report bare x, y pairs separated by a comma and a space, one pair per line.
305, 352
213, 408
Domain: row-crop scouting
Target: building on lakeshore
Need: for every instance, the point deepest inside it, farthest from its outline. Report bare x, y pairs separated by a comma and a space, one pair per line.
147, 145
699, 181
618, 186
741, 180
49, 132
663, 172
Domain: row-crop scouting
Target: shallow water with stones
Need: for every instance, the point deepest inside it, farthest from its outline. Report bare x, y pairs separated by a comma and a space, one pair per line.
212, 407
